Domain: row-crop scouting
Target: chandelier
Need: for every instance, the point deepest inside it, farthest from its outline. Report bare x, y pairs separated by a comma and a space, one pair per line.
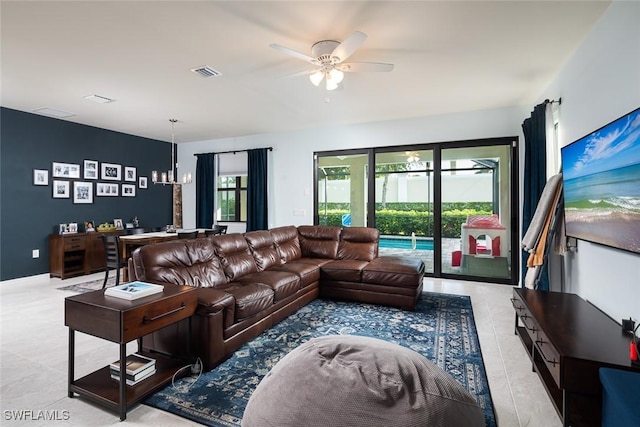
169, 177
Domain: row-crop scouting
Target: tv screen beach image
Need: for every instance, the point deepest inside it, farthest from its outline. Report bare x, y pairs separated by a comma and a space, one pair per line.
601, 174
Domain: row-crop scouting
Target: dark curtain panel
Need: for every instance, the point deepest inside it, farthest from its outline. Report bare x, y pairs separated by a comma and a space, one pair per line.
535, 176
257, 190
205, 189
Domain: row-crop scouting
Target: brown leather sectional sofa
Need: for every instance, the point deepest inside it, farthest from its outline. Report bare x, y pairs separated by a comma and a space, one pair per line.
248, 282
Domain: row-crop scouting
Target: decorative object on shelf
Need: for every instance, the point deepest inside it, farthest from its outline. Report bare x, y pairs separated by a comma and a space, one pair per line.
90, 169
170, 177
40, 177
142, 182
82, 192
89, 226
106, 189
68, 228
105, 226
128, 190
111, 171
135, 222
118, 224
61, 189
65, 170
129, 173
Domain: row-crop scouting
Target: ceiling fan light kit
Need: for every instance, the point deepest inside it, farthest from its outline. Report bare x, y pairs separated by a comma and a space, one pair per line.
328, 57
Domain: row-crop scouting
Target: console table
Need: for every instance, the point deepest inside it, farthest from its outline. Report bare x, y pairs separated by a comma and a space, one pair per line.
121, 321
76, 254
568, 340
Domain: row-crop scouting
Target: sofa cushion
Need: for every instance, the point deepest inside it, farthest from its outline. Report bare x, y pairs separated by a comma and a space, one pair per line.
250, 298
348, 270
235, 256
394, 271
182, 262
307, 272
358, 243
319, 241
283, 283
263, 249
286, 240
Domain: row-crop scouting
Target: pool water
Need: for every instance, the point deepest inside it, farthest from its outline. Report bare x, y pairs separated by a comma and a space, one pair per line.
405, 243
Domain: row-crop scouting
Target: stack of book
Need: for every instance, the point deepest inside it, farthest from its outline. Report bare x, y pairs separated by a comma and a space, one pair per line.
138, 368
133, 290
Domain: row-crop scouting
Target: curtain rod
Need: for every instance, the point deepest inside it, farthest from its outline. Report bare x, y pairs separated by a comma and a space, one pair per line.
234, 151
559, 101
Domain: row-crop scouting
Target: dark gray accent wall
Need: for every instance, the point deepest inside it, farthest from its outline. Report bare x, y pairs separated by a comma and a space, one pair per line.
29, 213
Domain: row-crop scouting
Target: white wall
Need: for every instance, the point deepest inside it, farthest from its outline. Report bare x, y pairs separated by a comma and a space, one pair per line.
291, 161
600, 83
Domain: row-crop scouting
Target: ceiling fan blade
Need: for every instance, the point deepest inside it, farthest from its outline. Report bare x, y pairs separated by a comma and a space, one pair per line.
294, 53
357, 67
299, 73
348, 46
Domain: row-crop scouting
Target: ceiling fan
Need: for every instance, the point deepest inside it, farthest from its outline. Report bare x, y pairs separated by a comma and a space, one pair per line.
328, 57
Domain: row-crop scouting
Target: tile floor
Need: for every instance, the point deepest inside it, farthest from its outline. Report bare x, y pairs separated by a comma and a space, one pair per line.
34, 350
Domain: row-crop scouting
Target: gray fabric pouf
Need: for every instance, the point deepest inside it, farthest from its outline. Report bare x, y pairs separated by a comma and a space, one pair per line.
347, 380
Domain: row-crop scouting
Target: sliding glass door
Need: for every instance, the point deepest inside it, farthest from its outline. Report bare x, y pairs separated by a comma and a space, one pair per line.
341, 189
476, 200
404, 203
453, 205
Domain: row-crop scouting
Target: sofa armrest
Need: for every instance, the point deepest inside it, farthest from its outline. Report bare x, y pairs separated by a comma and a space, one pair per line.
212, 300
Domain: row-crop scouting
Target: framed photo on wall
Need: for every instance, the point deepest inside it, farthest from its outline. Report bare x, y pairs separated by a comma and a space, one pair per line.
61, 189
82, 192
65, 170
111, 172
129, 173
90, 169
128, 190
40, 177
106, 189
142, 182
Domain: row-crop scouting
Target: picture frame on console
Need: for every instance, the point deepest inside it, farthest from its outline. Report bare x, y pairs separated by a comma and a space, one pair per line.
111, 172
61, 189
118, 224
40, 177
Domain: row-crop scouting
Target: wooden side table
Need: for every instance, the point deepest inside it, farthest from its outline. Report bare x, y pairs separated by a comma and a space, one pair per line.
121, 321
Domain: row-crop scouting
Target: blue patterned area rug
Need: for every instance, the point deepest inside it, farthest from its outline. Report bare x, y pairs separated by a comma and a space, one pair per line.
442, 329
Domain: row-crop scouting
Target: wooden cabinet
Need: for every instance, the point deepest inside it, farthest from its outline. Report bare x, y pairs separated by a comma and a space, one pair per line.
568, 340
76, 254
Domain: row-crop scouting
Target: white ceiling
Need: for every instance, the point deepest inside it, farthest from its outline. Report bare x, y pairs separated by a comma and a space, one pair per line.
449, 56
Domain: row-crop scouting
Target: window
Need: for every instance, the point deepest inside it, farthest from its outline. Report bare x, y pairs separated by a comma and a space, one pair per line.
232, 198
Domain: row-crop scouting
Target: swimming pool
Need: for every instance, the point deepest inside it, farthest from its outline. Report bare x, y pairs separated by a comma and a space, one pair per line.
401, 242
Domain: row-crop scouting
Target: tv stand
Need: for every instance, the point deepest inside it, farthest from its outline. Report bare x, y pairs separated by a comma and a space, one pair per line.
568, 340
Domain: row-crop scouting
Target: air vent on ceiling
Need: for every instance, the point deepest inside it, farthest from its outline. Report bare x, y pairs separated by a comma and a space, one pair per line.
99, 99
53, 112
207, 71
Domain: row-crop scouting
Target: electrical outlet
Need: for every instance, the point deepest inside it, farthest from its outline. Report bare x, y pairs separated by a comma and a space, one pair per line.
35, 253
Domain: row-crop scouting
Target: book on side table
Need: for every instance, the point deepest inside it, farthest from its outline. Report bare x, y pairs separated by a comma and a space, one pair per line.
138, 368
133, 290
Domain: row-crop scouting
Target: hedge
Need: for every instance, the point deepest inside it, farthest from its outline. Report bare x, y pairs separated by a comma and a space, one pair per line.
401, 222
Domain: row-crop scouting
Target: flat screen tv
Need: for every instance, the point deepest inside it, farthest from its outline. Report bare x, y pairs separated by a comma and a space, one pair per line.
601, 180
